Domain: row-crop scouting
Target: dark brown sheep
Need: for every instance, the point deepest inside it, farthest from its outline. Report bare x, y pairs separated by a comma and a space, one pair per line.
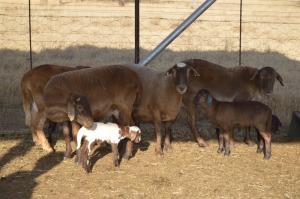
228, 115
226, 84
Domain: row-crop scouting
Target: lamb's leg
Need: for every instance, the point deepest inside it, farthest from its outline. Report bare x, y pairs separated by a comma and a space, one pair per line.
84, 157
67, 133
267, 140
248, 139
115, 152
192, 118
260, 144
167, 144
226, 135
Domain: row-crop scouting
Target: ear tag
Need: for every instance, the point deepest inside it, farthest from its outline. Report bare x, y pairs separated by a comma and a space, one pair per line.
209, 99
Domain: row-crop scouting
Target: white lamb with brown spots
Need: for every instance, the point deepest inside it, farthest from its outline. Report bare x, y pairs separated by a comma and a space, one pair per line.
103, 132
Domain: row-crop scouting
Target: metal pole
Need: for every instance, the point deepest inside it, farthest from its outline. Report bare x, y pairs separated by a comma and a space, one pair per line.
150, 56
30, 48
240, 50
137, 31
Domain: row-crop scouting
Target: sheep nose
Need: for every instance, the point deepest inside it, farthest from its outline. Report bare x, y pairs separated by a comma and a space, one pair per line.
181, 89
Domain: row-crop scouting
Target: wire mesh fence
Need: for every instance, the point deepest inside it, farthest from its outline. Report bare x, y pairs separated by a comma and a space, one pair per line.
104, 24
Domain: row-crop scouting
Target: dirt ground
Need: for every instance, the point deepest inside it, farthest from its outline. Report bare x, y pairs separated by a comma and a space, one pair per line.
188, 171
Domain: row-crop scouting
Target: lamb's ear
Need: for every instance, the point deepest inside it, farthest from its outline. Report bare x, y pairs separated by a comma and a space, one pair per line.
71, 106
132, 135
256, 73
195, 72
279, 78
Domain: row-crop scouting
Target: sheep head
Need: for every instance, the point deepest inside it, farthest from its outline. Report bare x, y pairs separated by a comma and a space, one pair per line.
265, 77
181, 72
79, 110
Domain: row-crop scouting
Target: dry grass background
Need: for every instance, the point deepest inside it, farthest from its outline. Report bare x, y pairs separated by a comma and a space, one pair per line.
98, 33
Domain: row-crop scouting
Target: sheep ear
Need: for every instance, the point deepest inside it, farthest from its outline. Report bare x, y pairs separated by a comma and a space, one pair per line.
256, 73
169, 72
195, 72
279, 78
71, 107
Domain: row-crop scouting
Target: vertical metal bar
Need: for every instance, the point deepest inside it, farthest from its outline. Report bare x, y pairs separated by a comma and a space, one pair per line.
30, 50
240, 50
150, 56
137, 31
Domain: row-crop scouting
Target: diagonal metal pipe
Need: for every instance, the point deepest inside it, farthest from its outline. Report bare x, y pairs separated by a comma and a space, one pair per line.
150, 56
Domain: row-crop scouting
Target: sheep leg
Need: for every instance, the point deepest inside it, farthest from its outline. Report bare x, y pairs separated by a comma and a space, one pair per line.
157, 124
221, 142
193, 126
37, 126
248, 139
167, 144
226, 135
51, 129
67, 132
115, 152
267, 140
125, 115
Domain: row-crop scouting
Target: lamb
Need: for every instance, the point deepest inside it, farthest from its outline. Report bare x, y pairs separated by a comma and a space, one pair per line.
161, 98
32, 87
226, 84
110, 90
103, 132
228, 115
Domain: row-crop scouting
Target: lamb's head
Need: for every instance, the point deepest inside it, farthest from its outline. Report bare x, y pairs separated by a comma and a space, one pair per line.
131, 132
265, 77
181, 72
79, 110
203, 98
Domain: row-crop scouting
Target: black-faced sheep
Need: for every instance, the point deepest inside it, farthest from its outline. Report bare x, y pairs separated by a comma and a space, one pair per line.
103, 132
161, 98
228, 115
226, 84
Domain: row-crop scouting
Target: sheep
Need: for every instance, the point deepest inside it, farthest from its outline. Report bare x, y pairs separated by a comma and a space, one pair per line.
110, 90
32, 87
103, 132
226, 84
228, 115
161, 98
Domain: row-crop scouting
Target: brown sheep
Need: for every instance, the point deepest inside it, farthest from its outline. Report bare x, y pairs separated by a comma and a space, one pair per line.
228, 115
161, 98
226, 84
110, 90
32, 87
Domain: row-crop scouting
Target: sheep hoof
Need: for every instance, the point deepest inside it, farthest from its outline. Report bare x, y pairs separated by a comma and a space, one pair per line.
160, 154
49, 149
259, 151
266, 157
220, 150
250, 143
203, 144
126, 157
168, 148
226, 154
